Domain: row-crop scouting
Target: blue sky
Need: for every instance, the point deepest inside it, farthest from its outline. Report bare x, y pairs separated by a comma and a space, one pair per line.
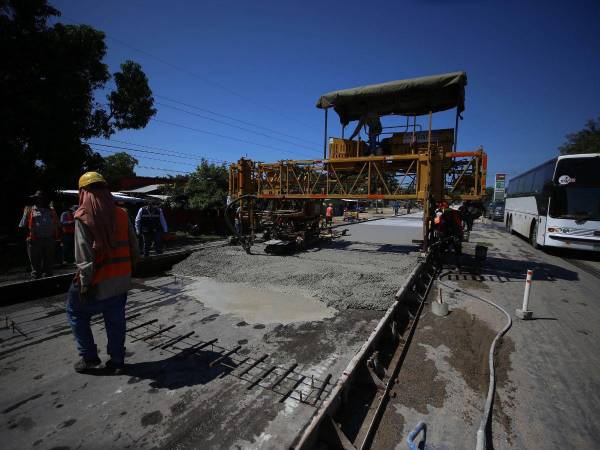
533, 70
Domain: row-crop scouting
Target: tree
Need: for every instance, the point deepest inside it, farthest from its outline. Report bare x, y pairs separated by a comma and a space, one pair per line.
584, 141
50, 83
118, 166
207, 186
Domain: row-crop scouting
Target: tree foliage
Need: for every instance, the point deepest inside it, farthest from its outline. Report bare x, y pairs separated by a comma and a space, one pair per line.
118, 166
584, 141
489, 194
50, 79
131, 104
205, 188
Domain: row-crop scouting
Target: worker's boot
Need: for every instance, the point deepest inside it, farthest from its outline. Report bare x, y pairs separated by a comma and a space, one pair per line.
85, 364
115, 368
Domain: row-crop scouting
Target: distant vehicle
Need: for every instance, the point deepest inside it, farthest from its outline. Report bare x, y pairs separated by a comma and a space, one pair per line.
495, 211
557, 204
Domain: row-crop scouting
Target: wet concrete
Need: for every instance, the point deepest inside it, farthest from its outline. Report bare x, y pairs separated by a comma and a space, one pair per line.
254, 305
359, 271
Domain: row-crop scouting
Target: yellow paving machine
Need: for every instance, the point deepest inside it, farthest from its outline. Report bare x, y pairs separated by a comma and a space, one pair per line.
401, 161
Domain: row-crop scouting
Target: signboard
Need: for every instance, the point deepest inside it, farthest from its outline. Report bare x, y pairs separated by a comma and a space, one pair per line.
499, 187
421, 137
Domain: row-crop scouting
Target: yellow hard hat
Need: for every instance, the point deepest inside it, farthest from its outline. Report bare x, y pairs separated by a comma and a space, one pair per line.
90, 178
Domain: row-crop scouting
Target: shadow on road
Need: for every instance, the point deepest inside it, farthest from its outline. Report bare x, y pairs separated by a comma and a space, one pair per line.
505, 270
370, 247
183, 369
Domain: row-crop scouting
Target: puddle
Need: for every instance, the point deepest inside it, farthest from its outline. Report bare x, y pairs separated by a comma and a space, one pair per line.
258, 305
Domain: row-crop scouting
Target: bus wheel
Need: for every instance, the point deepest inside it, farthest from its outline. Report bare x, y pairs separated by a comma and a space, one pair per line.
533, 235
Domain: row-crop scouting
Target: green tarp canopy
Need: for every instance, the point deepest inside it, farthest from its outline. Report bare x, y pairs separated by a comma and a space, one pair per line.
411, 97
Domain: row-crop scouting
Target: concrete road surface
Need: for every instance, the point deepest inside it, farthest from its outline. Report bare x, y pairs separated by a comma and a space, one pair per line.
393, 231
308, 313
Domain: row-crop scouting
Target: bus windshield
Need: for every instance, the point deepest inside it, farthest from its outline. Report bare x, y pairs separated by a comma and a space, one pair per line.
577, 192
575, 202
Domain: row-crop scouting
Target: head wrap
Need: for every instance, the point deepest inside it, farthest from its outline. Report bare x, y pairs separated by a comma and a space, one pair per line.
97, 211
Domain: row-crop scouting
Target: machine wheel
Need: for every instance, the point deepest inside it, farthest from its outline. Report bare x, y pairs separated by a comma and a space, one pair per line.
533, 235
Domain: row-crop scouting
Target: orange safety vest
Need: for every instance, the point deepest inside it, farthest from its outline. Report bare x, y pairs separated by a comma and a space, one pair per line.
30, 225
69, 227
329, 212
115, 262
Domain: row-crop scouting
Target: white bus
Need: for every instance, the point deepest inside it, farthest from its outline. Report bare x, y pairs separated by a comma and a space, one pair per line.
557, 204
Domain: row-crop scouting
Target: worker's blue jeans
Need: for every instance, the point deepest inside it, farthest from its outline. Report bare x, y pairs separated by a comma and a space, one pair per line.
152, 237
80, 313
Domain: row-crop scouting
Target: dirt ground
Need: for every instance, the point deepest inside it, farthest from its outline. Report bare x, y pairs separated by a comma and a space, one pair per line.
445, 378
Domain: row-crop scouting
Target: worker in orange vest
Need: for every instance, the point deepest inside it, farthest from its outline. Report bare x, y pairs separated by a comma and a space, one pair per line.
106, 250
448, 227
329, 215
67, 223
42, 224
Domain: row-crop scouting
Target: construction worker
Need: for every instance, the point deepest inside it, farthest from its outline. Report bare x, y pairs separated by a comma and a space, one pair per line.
466, 216
150, 223
42, 224
105, 253
238, 220
448, 227
67, 223
329, 215
372, 124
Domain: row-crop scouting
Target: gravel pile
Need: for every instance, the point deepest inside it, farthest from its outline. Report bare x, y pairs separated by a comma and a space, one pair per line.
342, 274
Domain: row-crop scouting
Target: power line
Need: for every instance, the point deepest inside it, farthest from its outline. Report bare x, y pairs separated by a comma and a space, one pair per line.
233, 118
149, 167
205, 80
223, 136
236, 126
102, 150
184, 155
195, 75
170, 152
164, 170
